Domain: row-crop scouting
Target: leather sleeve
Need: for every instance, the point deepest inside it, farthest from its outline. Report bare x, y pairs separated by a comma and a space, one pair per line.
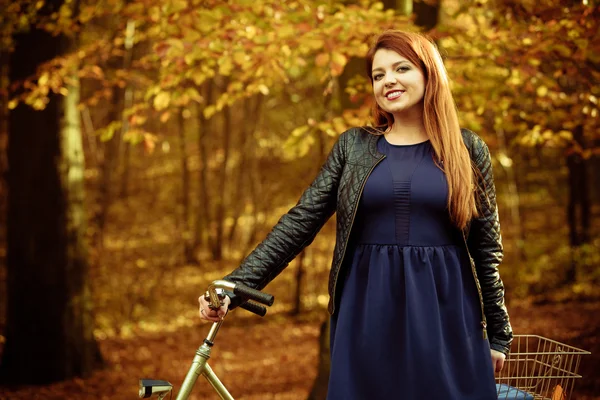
296, 229
485, 246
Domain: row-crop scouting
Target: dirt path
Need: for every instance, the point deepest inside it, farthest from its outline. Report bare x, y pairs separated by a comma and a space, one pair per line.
257, 358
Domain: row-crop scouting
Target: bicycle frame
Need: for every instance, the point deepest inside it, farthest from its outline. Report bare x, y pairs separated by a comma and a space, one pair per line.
200, 367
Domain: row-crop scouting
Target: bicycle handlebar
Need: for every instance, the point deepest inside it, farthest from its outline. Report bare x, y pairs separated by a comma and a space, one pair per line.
253, 294
254, 308
245, 292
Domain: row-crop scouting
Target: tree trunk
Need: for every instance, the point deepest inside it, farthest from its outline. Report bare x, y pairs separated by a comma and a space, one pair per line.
251, 113
127, 103
514, 202
49, 322
427, 14
259, 203
188, 250
124, 192
578, 208
121, 98
297, 309
110, 162
203, 215
319, 389
4, 57
217, 244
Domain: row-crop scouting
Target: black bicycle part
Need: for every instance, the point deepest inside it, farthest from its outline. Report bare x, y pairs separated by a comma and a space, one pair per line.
254, 308
252, 294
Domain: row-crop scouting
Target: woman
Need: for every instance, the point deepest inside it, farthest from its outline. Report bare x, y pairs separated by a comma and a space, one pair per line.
416, 301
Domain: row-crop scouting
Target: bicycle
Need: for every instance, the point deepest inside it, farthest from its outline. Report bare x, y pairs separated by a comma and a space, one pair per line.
215, 294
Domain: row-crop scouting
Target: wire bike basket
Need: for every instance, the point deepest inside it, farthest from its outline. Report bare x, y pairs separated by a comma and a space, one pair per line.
538, 368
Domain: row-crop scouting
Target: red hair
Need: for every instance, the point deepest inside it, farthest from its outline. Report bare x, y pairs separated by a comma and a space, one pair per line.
440, 118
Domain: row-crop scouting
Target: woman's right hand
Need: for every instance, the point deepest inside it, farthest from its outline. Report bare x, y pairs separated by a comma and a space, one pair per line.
213, 315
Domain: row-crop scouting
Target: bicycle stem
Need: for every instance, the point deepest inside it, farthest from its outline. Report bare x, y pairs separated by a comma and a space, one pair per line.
212, 334
199, 364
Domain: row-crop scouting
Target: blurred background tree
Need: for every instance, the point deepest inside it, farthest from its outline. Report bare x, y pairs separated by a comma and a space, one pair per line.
201, 122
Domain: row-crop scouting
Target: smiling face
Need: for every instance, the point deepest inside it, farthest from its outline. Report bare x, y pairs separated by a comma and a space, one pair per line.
398, 85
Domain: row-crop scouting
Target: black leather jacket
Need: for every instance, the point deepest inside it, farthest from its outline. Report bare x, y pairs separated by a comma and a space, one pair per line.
338, 188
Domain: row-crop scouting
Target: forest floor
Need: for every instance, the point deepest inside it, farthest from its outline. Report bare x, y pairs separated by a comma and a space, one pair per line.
276, 357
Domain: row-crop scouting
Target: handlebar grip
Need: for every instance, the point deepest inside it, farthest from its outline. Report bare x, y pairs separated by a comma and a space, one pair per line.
252, 294
254, 308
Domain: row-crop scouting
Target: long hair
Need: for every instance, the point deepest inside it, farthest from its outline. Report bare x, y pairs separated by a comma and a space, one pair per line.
440, 118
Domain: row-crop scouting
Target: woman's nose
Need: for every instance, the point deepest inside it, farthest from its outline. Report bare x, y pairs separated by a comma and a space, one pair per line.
389, 79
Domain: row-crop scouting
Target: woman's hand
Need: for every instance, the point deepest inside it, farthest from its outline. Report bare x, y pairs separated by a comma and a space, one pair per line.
213, 315
497, 360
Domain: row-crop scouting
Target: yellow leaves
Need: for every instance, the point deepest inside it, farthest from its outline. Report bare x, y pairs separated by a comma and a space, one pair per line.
108, 132
515, 78
504, 160
250, 31
322, 59
565, 135
193, 94
38, 103
149, 142
209, 111
154, 13
164, 117
175, 6
338, 62
176, 44
13, 104
313, 43
261, 39
162, 100
240, 58
298, 143
263, 89
339, 125
286, 31
542, 91
299, 131
137, 120
562, 49
538, 136
286, 51
527, 41
43, 79
225, 66
378, 6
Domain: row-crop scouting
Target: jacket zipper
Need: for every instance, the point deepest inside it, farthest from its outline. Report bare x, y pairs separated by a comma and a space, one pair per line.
478, 285
350, 231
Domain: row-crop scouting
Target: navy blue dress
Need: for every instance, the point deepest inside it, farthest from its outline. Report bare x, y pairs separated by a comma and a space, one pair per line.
408, 321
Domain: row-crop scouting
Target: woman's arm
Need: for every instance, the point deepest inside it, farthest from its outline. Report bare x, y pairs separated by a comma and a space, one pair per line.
297, 228
485, 246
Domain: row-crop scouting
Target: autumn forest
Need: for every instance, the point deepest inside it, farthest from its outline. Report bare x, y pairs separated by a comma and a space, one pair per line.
147, 147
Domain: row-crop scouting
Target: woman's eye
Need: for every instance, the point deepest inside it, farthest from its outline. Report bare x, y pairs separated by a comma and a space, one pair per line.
402, 69
377, 77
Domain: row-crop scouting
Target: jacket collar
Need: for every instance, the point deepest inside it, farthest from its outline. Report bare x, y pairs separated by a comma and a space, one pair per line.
372, 144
